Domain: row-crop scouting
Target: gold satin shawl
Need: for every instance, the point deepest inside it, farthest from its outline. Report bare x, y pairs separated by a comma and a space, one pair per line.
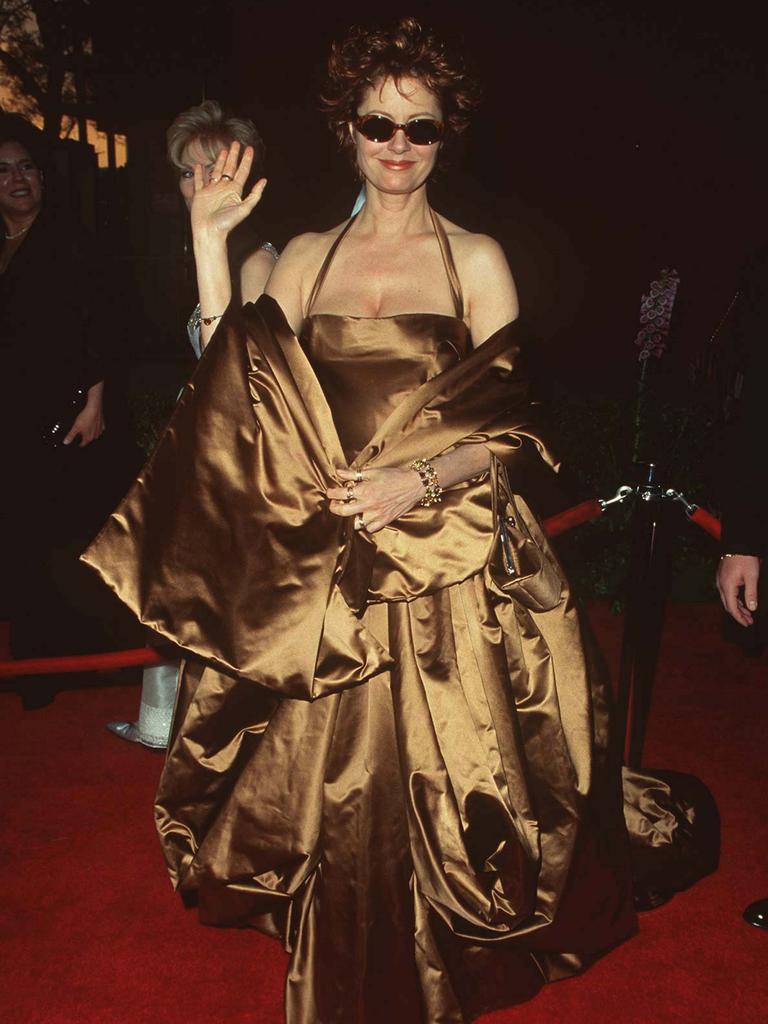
226, 540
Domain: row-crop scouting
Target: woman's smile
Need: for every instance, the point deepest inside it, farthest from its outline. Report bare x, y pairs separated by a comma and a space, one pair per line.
396, 165
20, 184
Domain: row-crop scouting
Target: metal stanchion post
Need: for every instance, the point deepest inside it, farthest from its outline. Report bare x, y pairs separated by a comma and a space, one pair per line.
647, 587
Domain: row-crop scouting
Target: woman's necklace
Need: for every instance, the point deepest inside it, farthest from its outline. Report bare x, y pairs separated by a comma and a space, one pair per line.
18, 234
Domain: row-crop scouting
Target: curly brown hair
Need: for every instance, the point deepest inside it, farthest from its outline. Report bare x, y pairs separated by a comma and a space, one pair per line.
367, 56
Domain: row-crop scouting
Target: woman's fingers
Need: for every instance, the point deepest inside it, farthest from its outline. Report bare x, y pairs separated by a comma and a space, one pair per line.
342, 493
372, 522
380, 496
243, 168
219, 163
230, 161
346, 508
218, 167
230, 169
254, 196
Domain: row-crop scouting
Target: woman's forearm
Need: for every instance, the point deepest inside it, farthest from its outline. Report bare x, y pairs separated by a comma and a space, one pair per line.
464, 462
378, 497
214, 286
218, 207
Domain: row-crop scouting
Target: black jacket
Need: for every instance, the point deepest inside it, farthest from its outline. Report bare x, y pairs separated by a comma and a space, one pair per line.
745, 501
52, 321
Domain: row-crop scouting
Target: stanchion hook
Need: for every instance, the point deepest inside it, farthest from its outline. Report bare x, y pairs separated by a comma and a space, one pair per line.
689, 507
621, 495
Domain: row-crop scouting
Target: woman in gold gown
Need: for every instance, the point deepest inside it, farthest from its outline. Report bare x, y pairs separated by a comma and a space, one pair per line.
391, 743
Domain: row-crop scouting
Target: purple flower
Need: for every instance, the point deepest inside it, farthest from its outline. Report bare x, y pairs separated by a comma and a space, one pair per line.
656, 314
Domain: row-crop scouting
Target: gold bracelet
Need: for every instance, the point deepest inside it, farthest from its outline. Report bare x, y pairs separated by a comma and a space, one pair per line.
428, 474
208, 320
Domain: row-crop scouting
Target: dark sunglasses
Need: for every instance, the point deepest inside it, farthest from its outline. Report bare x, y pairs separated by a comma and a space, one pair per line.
421, 131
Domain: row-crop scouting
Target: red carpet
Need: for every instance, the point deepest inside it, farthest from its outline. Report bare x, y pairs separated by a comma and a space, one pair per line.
92, 934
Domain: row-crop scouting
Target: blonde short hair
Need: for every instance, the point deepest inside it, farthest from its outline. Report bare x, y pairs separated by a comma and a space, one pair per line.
207, 124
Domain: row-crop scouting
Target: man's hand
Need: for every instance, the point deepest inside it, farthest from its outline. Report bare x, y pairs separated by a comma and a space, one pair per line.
734, 572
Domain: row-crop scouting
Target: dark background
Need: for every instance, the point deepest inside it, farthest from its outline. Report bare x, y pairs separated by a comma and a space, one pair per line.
614, 139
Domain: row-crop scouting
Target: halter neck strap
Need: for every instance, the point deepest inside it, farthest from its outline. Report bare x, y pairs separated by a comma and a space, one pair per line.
450, 266
325, 266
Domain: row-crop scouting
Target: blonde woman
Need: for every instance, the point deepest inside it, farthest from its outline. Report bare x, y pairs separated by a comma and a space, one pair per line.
196, 138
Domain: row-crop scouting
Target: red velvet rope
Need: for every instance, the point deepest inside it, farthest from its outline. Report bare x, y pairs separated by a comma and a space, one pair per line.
107, 662
113, 660
571, 517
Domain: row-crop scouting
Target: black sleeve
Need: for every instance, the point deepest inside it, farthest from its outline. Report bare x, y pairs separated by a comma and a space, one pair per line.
745, 501
89, 303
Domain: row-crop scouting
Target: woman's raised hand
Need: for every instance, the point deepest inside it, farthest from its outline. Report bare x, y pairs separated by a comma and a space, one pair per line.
218, 204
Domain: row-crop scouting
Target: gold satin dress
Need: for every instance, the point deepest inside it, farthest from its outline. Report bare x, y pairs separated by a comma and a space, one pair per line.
379, 757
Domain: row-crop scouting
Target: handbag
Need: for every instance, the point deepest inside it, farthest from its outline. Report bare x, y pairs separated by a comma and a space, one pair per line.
521, 564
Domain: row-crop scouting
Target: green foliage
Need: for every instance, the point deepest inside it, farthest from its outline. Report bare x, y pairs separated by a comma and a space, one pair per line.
596, 437
150, 412
154, 390
41, 41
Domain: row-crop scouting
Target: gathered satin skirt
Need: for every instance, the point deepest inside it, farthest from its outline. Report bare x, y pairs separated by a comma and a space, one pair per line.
433, 824
431, 845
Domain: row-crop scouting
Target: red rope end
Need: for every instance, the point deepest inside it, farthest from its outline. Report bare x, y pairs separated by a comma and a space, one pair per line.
571, 517
709, 523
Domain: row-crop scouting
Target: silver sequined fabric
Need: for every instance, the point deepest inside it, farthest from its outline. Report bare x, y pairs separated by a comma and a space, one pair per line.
158, 698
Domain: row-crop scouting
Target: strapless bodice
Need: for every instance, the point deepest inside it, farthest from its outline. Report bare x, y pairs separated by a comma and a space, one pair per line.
367, 365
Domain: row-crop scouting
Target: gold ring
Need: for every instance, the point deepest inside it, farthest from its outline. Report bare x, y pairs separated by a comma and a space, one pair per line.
226, 177
358, 523
358, 477
350, 486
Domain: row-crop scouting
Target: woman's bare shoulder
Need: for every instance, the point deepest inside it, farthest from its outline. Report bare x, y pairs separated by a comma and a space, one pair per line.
303, 250
489, 288
297, 268
473, 246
